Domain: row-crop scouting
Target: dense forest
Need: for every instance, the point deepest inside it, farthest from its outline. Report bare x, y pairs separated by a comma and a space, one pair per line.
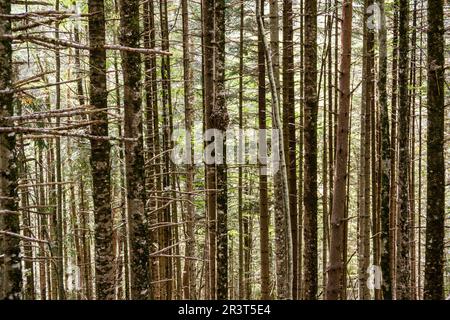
224, 149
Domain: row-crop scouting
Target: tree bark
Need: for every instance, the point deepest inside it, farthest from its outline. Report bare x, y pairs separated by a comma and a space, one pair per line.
137, 215
220, 121
403, 250
434, 247
11, 272
283, 238
289, 129
385, 159
310, 158
336, 264
100, 153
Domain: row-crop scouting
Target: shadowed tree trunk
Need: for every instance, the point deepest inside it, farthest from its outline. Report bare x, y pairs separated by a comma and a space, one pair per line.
434, 248
211, 196
134, 157
364, 167
403, 289
263, 201
385, 158
10, 266
220, 121
289, 129
310, 145
100, 152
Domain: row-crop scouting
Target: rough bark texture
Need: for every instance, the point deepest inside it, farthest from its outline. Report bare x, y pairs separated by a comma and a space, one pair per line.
289, 129
134, 157
434, 261
10, 265
336, 263
364, 167
208, 38
100, 153
310, 143
220, 120
385, 159
403, 223
263, 196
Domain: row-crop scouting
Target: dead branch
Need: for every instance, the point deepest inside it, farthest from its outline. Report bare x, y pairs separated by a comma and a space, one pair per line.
16, 235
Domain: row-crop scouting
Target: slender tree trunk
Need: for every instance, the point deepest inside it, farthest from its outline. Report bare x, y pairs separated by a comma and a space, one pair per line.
240, 169
340, 179
11, 272
403, 250
208, 38
283, 237
310, 143
170, 209
134, 157
289, 129
412, 142
364, 176
385, 158
100, 152
59, 244
155, 163
300, 160
263, 192
434, 254
189, 267
220, 121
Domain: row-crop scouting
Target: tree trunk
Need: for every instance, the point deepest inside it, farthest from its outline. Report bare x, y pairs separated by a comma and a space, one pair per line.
208, 38
340, 179
11, 272
310, 158
434, 254
289, 129
385, 159
137, 215
100, 152
283, 238
263, 187
220, 121
403, 250
189, 267
364, 167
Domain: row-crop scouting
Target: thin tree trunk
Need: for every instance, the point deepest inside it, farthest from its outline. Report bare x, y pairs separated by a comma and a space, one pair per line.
220, 121
340, 179
394, 151
289, 130
100, 153
59, 244
134, 157
403, 290
300, 161
364, 167
263, 186
189, 271
283, 241
385, 159
434, 254
310, 144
